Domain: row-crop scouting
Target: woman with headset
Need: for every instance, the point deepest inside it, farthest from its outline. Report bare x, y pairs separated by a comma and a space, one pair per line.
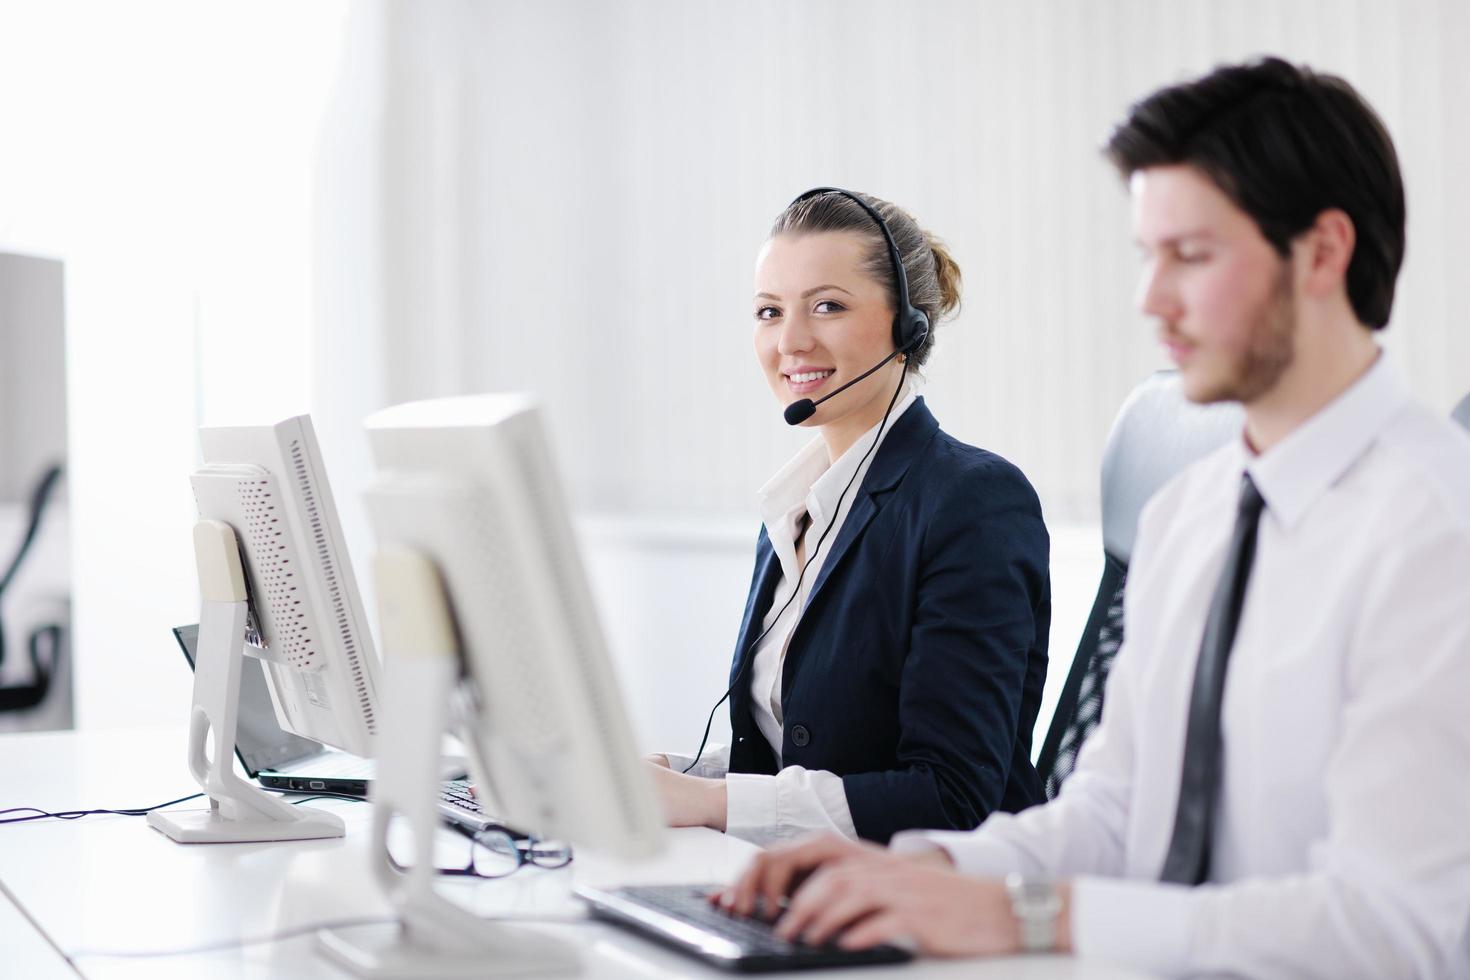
891, 659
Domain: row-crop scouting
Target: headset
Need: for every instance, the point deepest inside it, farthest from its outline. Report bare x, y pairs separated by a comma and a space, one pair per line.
910, 324
910, 330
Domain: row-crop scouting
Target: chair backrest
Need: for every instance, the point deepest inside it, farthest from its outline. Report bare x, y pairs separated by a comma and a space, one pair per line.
1157, 434
45, 644
1461, 414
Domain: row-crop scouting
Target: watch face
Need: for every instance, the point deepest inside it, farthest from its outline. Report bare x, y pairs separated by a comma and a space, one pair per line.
1030, 891
1036, 905
1037, 892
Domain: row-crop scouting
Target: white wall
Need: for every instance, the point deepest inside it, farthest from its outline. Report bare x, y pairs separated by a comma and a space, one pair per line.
165, 151
269, 207
575, 193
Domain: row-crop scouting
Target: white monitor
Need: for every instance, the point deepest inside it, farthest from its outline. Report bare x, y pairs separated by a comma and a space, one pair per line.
268, 482
275, 588
470, 484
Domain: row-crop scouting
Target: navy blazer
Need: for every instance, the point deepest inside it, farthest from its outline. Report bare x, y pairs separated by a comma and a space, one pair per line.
915, 672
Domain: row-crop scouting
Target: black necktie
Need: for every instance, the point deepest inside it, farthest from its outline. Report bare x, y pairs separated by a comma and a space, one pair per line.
1188, 861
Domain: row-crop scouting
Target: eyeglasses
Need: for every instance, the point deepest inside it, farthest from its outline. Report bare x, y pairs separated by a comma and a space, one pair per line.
494, 854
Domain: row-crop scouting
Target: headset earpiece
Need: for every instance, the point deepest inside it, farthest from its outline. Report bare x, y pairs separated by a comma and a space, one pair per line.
911, 329
910, 324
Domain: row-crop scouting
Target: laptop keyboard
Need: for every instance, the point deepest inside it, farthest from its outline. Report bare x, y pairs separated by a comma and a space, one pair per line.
458, 805
759, 948
456, 792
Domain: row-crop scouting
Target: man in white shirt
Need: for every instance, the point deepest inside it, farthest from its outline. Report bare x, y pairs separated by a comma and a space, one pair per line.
1309, 816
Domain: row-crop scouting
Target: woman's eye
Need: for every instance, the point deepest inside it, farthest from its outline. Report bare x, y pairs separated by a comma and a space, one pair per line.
830, 306
767, 313
1193, 257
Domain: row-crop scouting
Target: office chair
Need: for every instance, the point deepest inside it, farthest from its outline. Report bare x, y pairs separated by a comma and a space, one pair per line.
1156, 435
46, 642
1461, 413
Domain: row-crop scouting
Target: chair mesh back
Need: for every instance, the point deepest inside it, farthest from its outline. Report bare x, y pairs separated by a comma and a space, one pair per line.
1083, 692
1158, 433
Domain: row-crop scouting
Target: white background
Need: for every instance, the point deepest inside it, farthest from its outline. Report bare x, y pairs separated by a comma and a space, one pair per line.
270, 208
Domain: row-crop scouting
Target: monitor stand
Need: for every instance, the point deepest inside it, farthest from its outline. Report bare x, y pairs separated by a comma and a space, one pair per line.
238, 811
433, 937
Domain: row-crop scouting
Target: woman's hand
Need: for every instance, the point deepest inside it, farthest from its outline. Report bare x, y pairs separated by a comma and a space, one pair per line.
689, 801
658, 759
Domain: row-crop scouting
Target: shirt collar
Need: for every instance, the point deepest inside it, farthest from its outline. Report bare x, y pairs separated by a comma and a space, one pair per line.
1294, 473
784, 495
823, 499
808, 483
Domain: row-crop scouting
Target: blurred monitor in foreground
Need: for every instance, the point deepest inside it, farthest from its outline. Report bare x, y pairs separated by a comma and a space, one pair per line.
469, 482
485, 606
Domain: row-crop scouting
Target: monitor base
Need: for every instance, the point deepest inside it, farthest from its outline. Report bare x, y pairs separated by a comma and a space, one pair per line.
210, 827
392, 951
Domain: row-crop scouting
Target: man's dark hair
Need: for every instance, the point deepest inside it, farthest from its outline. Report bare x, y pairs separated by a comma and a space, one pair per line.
1285, 144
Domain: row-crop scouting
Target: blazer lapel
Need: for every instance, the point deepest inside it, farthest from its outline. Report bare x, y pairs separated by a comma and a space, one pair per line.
864, 508
763, 588
908, 437
903, 444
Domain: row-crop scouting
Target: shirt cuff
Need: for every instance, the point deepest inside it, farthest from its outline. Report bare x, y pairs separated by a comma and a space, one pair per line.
750, 806
712, 765
1142, 924
914, 842
973, 852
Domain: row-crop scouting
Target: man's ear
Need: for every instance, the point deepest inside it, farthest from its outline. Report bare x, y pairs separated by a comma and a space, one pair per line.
1325, 251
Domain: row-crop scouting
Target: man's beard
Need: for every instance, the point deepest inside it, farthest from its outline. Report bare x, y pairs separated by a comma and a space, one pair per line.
1270, 348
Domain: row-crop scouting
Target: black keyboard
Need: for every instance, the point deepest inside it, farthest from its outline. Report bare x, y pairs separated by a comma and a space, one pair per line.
682, 917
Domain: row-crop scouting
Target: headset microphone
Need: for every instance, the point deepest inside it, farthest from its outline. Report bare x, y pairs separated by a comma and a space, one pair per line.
798, 412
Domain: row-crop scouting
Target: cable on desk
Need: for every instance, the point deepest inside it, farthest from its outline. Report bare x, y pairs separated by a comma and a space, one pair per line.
285, 934
323, 796
39, 814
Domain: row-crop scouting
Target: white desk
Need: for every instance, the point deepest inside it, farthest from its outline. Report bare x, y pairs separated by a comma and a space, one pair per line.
110, 884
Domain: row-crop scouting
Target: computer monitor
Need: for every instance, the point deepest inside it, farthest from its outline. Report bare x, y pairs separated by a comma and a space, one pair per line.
269, 483
552, 733
277, 588
468, 486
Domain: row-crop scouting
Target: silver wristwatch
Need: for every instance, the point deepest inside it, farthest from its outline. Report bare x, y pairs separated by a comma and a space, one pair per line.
1036, 905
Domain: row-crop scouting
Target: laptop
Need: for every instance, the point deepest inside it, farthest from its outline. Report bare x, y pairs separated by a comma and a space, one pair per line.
282, 761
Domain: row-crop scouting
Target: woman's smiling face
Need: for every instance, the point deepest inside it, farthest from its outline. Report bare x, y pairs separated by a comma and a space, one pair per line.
820, 321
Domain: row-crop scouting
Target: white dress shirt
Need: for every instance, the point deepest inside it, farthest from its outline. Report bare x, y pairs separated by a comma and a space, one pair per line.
796, 801
1342, 831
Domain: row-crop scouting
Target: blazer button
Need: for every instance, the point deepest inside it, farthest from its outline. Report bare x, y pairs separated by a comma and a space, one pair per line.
800, 737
